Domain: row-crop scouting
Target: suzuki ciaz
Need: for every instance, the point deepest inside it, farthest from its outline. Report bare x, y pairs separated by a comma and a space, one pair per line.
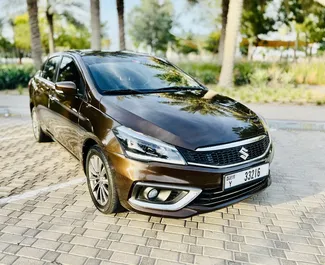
150, 138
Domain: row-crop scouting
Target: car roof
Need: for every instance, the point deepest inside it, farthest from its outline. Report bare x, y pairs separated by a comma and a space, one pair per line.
83, 53
91, 56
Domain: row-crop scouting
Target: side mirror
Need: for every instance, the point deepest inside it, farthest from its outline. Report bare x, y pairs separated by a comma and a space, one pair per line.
67, 87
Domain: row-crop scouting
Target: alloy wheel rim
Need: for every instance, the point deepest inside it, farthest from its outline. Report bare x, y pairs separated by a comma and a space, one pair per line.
98, 179
36, 128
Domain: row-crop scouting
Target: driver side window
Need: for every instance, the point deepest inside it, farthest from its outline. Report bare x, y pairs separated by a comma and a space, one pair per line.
68, 71
49, 69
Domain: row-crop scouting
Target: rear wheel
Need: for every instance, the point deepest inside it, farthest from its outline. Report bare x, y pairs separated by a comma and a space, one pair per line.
40, 136
100, 181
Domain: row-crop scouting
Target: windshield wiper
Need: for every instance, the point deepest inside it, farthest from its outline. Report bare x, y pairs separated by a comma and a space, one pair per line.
146, 91
121, 92
180, 88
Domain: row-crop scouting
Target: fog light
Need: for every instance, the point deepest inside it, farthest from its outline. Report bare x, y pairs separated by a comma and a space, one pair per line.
150, 193
161, 196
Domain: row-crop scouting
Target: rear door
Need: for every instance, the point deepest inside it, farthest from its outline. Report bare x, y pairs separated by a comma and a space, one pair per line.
66, 106
45, 84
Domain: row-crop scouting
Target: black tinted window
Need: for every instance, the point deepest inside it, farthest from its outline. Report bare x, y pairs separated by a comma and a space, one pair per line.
49, 68
68, 71
114, 73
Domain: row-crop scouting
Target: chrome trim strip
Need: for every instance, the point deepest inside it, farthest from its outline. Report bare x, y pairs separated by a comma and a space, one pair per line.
238, 193
190, 196
237, 164
230, 145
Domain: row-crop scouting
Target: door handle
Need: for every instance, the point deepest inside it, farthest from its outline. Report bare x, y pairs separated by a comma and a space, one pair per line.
53, 98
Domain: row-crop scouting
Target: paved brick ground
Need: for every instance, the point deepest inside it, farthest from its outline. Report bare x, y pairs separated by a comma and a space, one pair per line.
25, 165
283, 225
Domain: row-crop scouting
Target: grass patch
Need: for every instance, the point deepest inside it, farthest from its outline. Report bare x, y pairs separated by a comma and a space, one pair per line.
250, 72
294, 95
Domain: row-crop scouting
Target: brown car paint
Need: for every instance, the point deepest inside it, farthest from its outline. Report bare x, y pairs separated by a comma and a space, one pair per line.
184, 119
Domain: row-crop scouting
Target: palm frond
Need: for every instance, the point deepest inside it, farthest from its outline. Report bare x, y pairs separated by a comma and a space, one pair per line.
71, 19
12, 8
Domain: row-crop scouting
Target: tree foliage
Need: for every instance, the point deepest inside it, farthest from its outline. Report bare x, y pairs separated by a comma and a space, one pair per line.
187, 45
22, 32
68, 35
212, 43
254, 19
72, 36
306, 17
151, 24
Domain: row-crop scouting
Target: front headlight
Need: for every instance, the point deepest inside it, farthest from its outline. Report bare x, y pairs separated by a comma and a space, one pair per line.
264, 122
142, 147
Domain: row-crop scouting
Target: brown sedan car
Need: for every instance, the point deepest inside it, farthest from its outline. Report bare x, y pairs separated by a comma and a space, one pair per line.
150, 137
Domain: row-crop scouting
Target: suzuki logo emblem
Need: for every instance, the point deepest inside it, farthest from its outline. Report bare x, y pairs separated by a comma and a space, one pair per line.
244, 153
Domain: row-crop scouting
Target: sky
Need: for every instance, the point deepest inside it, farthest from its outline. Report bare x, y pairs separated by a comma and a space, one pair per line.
188, 19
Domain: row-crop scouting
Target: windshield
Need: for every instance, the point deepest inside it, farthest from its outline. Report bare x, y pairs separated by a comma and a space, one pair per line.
138, 74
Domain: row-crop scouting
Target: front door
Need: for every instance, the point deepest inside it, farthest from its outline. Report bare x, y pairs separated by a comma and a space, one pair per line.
44, 87
67, 107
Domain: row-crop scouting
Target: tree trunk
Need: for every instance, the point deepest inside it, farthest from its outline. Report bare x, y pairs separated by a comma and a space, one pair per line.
296, 47
225, 6
232, 29
95, 24
306, 45
120, 13
251, 49
35, 34
49, 18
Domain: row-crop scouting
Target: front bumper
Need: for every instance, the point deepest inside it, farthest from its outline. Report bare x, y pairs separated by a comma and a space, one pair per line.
129, 173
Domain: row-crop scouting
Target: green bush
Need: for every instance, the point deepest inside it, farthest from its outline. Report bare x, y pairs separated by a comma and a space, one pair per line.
312, 73
207, 73
260, 73
242, 73
12, 76
259, 78
268, 94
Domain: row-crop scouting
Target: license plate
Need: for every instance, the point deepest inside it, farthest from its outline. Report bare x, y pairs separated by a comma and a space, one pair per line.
246, 176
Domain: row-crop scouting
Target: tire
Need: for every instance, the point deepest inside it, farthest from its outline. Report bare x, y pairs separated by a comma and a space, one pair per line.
39, 135
100, 180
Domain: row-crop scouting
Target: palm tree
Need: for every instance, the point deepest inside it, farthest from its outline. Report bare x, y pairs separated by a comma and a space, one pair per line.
120, 13
95, 24
224, 14
49, 17
232, 29
64, 8
35, 33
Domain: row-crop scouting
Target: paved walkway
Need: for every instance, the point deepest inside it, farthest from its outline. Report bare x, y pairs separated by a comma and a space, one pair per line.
14, 105
290, 112
283, 225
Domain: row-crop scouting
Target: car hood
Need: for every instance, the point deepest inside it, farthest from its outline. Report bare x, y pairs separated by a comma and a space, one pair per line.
189, 119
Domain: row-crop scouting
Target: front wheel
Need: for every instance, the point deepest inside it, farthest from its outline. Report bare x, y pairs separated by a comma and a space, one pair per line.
100, 181
40, 136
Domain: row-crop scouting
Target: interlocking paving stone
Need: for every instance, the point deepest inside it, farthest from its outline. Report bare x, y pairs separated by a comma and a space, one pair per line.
8, 259
284, 224
70, 259
30, 252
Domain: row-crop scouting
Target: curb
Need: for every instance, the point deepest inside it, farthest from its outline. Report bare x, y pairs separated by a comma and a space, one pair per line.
296, 125
14, 112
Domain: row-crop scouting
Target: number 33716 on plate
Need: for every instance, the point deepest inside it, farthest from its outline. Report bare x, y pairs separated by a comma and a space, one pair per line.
245, 176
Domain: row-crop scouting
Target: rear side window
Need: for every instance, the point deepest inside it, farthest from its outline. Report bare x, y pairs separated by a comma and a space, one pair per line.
50, 67
68, 71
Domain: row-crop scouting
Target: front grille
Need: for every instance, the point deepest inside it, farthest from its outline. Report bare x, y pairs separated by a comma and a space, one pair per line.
213, 197
226, 156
